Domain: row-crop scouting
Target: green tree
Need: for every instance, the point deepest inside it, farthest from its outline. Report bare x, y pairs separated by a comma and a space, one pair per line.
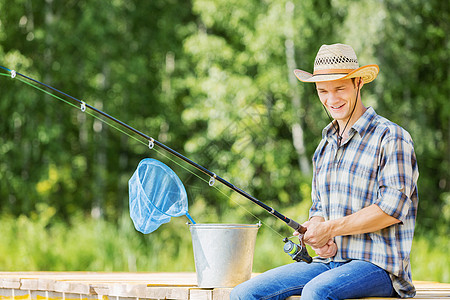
111, 55
415, 81
241, 104
213, 80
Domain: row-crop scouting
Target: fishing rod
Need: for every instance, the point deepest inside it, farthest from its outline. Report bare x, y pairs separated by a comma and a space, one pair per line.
297, 252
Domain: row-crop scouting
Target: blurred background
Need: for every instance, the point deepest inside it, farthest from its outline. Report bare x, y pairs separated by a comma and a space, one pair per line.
213, 80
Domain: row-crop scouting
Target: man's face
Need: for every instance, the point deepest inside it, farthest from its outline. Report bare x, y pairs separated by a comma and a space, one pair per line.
338, 97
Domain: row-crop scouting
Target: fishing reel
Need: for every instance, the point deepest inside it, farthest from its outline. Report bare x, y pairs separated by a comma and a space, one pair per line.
298, 252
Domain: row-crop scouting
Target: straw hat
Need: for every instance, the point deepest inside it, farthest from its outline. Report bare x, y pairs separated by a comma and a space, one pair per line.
335, 62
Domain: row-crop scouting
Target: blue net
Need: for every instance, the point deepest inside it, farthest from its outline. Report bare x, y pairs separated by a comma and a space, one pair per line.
156, 194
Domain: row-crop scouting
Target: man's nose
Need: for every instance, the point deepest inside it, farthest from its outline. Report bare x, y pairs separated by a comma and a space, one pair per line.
332, 98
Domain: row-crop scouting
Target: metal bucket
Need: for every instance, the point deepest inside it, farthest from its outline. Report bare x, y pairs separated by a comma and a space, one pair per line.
223, 253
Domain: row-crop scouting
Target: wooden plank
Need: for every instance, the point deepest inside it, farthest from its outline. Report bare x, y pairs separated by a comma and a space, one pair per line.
152, 278
126, 289
10, 283
167, 293
221, 293
29, 284
135, 286
72, 287
427, 285
200, 294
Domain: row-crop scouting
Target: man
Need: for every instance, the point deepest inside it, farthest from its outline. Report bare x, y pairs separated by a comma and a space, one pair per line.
364, 197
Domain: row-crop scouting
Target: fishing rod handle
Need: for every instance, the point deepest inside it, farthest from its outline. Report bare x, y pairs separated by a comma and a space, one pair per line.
296, 226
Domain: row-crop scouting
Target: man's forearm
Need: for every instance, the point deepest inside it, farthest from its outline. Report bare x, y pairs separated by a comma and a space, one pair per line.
369, 219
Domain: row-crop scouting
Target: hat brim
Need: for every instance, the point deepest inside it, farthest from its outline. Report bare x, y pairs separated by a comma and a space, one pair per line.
368, 73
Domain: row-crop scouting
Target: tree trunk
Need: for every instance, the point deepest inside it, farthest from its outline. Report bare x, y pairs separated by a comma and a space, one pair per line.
297, 130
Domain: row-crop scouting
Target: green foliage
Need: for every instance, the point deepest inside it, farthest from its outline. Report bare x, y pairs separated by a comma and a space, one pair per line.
415, 67
430, 259
212, 80
44, 242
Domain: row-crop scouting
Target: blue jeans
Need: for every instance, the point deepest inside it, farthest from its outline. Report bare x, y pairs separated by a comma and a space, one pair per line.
333, 280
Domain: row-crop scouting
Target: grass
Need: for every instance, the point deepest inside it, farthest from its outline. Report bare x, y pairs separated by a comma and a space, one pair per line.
41, 242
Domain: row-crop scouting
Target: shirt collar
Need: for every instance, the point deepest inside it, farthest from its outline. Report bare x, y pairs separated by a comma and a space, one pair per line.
361, 125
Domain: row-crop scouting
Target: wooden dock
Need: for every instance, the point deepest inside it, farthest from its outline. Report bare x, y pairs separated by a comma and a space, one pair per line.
135, 286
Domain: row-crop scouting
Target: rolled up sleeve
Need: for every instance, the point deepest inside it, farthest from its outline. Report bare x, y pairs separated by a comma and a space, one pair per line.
397, 177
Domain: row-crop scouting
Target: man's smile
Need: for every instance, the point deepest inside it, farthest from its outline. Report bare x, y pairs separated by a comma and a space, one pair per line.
337, 107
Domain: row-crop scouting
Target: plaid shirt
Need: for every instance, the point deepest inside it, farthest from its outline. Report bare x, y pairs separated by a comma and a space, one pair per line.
376, 165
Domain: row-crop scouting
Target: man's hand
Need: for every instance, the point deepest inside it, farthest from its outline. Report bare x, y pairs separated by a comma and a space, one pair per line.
329, 250
317, 234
